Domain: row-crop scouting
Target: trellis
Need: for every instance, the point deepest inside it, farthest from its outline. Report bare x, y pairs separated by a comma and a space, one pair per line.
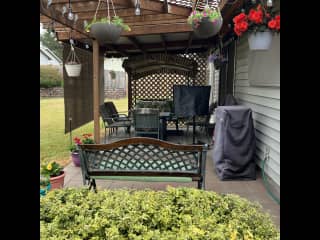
153, 77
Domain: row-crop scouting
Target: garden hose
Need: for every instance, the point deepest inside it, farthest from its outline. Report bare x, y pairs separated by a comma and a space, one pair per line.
265, 182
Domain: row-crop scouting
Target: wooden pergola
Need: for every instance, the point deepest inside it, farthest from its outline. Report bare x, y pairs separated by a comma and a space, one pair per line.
161, 28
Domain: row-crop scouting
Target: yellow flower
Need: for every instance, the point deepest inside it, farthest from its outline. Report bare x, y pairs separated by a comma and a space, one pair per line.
49, 166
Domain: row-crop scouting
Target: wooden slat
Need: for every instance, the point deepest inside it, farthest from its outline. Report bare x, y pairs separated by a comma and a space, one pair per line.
158, 29
96, 102
155, 6
117, 49
137, 44
58, 17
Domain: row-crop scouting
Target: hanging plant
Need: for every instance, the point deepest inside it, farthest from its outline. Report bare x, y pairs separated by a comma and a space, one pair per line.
107, 29
73, 65
260, 22
206, 23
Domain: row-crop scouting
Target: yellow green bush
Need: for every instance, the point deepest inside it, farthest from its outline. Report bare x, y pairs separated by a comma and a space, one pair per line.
50, 77
175, 214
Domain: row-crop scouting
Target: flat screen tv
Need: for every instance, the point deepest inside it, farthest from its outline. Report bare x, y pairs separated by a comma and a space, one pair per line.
191, 101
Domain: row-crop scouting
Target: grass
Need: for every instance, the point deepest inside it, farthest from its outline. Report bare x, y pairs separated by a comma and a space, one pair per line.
54, 143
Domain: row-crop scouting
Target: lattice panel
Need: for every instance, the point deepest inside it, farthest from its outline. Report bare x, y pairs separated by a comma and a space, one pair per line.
143, 157
160, 85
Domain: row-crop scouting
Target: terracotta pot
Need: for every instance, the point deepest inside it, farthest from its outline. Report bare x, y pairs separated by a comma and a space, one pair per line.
58, 181
208, 28
75, 158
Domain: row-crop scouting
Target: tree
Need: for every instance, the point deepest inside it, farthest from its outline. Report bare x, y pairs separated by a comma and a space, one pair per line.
51, 43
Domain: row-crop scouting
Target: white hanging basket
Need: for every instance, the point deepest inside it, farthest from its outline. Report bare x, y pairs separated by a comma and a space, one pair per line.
73, 65
73, 70
260, 40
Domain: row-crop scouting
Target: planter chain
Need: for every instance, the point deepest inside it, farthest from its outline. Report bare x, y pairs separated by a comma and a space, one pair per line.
108, 9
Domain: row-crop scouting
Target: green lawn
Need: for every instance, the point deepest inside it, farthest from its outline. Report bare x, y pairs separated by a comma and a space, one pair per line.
54, 144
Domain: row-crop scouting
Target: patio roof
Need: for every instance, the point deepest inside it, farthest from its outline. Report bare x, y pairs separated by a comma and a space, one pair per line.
161, 27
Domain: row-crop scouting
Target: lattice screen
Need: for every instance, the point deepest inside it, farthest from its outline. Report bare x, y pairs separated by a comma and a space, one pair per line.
160, 85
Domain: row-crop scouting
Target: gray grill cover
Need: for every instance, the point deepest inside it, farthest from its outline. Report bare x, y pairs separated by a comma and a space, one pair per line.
234, 145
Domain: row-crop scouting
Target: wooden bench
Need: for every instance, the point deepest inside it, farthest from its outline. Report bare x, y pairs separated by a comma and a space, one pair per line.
143, 159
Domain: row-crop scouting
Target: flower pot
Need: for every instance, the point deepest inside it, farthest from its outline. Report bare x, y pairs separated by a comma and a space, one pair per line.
260, 40
58, 181
73, 70
43, 191
105, 32
207, 28
75, 158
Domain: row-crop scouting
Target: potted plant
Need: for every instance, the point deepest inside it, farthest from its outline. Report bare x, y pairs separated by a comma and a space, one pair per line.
107, 30
73, 65
55, 172
206, 23
260, 22
44, 185
86, 139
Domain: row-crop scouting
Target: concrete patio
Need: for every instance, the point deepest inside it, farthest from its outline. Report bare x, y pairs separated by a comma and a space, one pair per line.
251, 190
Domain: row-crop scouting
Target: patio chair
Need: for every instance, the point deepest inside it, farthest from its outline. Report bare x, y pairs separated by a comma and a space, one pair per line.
112, 121
115, 114
202, 121
146, 121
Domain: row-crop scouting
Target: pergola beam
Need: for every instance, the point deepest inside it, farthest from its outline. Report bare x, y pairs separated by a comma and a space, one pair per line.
116, 49
150, 5
58, 17
165, 6
164, 42
228, 15
136, 43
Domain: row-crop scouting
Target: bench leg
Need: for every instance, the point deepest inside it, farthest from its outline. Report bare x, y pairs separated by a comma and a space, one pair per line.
93, 184
201, 184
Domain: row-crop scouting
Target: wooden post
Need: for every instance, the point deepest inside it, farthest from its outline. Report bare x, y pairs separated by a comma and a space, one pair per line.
129, 89
96, 92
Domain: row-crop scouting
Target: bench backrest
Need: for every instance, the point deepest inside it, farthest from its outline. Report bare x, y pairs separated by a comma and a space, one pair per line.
140, 156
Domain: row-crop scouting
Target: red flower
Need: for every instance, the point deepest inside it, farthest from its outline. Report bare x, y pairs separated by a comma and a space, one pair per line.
255, 16
272, 24
241, 28
239, 18
77, 140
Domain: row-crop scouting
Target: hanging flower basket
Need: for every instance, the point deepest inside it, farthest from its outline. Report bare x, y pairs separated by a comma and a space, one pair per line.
206, 23
260, 40
107, 30
261, 21
73, 65
207, 28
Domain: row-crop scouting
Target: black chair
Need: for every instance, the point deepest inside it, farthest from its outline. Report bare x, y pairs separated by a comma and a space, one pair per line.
113, 121
202, 121
115, 114
146, 121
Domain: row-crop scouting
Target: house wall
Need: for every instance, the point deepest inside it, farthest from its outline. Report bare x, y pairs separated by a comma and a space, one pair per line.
44, 60
263, 98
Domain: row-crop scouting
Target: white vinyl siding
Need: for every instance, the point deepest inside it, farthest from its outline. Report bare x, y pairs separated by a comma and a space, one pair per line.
265, 104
